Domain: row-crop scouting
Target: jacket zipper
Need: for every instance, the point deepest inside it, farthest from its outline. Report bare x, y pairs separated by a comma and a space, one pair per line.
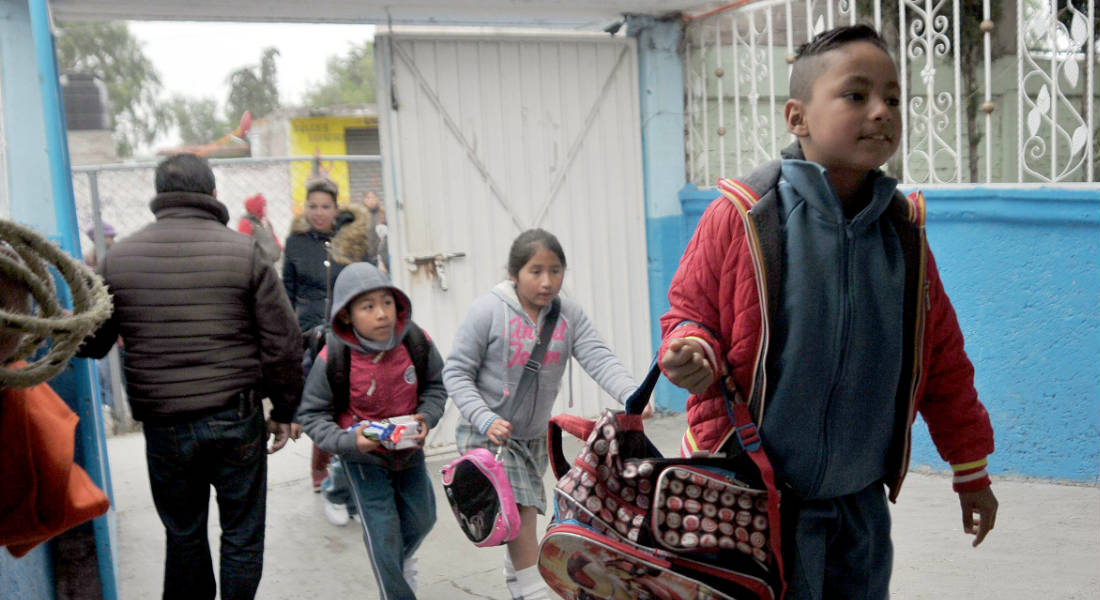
923, 305
758, 371
841, 349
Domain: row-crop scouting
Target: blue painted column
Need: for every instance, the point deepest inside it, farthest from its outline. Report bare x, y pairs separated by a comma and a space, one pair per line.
40, 195
661, 94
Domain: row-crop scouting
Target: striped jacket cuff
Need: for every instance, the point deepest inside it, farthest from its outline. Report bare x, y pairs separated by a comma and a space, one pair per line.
971, 476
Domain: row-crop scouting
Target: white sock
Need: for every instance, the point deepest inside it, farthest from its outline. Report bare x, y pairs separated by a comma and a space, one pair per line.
409, 571
531, 584
510, 577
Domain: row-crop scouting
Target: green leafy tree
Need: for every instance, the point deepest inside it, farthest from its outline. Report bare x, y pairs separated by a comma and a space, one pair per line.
349, 79
253, 88
110, 52
197, 119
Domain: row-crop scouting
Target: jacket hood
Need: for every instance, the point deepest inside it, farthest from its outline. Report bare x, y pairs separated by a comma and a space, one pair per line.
352, 238
256, 206
359, 278
793, 151
184, 204
506, 291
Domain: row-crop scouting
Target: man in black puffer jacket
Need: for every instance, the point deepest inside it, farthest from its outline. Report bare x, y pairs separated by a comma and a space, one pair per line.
209, 332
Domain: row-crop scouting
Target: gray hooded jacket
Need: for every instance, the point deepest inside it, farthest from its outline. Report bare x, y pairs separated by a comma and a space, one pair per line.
374, 360
493, 343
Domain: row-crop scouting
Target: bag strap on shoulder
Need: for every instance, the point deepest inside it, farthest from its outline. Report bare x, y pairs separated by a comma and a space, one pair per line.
416, 342
338, 367
534, 363
338, 370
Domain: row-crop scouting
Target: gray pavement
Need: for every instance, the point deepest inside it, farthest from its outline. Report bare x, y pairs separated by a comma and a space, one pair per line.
1046, 543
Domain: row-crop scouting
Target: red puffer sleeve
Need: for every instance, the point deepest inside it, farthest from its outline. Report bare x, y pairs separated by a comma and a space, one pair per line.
695, 305
957, 420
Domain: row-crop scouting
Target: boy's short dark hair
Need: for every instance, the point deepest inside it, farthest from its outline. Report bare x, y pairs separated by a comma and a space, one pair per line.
807, 62
184, 173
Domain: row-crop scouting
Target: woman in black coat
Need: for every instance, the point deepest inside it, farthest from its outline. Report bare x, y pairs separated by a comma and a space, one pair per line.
307, 279
323, 239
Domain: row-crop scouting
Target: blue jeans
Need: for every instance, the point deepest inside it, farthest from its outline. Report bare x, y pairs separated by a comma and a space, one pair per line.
335, 487
841, 547
226, 450
397, 509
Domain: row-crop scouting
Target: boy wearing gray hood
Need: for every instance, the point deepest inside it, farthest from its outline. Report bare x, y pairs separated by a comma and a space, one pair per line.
390, 488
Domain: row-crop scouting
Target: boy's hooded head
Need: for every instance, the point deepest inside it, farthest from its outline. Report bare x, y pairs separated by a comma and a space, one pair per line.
845, 100
364, 298
14, 298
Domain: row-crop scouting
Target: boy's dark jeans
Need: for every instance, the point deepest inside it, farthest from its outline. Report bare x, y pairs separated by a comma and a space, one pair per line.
226, 450
838, 547
397, 509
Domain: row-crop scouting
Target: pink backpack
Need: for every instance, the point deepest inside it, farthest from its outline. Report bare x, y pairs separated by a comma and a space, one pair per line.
481, 497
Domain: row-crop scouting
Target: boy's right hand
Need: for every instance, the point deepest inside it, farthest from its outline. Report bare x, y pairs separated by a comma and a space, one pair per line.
363, 443
499, 431
685, 365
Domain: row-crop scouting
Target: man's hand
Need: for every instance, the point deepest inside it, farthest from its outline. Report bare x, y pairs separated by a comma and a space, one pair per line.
420, 437
281, 431
979, 511
499, 431
295, 431
685, 365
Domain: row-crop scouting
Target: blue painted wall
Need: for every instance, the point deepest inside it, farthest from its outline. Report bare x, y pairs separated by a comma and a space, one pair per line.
661, 101
1022, 268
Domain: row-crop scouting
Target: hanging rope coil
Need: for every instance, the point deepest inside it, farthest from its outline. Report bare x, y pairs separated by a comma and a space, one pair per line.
49, 321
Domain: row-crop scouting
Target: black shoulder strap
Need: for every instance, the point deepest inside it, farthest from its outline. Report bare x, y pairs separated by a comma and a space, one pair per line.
534, 363
337, 368
338, 365
416, 342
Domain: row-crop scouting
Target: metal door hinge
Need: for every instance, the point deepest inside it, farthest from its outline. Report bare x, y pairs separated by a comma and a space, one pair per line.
436, 263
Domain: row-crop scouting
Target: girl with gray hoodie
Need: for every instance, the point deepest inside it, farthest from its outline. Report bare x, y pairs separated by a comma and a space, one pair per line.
484, 368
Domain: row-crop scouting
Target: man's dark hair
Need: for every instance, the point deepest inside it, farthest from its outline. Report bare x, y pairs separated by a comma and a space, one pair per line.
184, 173
807, 61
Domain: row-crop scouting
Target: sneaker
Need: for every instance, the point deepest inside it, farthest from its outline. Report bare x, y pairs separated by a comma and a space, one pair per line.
337, 514
316, 488
409, 570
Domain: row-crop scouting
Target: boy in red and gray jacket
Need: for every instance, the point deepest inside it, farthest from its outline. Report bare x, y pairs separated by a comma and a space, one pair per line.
809, 291
388, 368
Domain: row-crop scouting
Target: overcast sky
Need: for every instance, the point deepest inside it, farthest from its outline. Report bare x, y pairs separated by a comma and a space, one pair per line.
196, 58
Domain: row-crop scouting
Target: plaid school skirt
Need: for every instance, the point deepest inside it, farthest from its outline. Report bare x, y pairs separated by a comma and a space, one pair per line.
525, 463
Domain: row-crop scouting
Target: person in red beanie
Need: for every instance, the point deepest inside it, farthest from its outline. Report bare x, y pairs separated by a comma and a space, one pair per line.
256, 224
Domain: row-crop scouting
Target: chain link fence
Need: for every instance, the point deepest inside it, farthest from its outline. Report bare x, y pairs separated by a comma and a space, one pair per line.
119, 195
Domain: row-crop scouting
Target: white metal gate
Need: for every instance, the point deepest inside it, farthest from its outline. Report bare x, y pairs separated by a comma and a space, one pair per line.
485, 136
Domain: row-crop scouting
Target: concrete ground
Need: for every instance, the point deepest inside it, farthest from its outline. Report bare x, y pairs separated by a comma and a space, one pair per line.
1046, 543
